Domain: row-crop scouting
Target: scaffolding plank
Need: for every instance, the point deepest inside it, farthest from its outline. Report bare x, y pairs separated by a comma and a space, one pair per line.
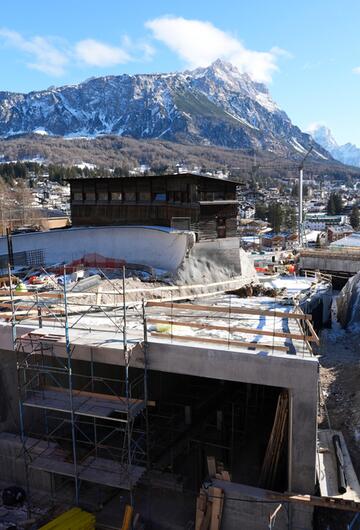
59, 400
96, 470
102, 396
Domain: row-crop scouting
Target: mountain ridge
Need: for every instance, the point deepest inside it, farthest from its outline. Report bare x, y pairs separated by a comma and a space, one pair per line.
216, 105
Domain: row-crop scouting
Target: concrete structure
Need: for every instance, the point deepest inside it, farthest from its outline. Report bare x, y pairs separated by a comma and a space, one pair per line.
157, 247
217, 365
172, 251
333, 261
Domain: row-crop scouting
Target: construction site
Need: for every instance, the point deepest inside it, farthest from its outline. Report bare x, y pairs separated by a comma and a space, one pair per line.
152, 396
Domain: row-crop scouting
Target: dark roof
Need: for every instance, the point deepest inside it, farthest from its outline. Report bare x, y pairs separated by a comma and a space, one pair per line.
188, 174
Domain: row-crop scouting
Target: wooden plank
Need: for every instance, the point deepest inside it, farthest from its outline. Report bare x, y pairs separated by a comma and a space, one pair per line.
201, 502
211, 463
217, 498
32, 304
232, 329
230, 310
311, 500
207, 518
231, 342
315, 337
109, 397
55, 294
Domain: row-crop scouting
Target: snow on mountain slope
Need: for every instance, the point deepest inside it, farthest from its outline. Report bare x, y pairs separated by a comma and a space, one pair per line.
216, 105
347, 153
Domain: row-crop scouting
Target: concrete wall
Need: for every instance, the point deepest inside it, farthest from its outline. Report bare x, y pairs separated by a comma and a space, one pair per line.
9, 402
248, 508
324, 262
152, 246
12, 463
215, 260
299, 375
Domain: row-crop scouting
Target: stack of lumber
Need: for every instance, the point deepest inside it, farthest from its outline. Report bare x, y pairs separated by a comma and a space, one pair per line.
209, 506
276, 443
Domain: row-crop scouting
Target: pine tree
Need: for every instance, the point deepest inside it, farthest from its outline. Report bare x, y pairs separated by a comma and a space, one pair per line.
338, 203
261, 211
295, 190
331, 205
275, 216
355, 218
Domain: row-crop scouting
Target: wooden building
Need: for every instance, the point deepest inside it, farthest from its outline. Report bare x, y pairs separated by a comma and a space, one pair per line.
206, 205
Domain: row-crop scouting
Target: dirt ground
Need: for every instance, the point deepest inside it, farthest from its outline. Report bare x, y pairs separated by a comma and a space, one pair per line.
340, 391
340, 385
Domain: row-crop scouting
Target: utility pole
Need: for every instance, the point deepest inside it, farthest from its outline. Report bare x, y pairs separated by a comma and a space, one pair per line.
301, 179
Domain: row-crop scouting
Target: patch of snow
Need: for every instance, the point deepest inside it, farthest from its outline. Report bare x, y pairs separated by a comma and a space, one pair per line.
297, 146
266, 101
41, 131
320, 155
84, 165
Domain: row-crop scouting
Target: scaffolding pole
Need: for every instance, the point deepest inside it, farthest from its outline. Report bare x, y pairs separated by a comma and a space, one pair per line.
114, 452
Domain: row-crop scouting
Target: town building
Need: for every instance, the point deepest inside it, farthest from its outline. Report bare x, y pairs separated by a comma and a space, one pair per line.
320, 221
205, 204
334, 233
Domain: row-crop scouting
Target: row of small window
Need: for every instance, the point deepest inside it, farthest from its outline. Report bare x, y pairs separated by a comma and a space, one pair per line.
141, 196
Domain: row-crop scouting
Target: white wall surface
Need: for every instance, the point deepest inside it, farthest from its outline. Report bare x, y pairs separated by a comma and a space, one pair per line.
153, 246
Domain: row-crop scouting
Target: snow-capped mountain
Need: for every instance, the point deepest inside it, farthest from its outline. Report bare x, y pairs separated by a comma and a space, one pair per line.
216, 105
347, 153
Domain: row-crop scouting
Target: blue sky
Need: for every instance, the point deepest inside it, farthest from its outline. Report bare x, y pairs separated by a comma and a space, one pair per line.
308, 52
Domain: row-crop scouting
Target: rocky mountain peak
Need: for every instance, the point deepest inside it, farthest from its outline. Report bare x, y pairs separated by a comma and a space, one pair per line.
214, 105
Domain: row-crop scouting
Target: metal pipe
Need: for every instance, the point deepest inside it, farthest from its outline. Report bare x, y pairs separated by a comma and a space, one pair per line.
341, 477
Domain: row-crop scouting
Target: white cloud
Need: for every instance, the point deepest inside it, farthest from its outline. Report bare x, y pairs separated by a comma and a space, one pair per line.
200, 43
45, 57
52, 56
314, 126
356, 70
95, 53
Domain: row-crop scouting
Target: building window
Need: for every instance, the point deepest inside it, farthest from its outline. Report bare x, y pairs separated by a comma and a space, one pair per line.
159, 196
144, 196
78, 196
90, 196
130, 196
177, 196
102, 196
116, 196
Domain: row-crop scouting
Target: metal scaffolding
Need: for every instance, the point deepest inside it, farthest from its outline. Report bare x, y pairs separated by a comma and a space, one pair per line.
95, 427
